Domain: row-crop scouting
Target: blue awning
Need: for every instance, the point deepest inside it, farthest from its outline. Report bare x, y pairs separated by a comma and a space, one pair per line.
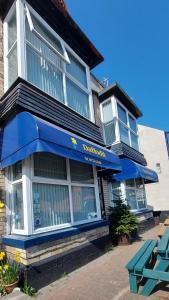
131, 170
27, 134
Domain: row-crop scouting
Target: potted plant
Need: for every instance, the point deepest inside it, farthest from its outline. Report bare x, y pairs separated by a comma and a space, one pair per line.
9, 271
122, 222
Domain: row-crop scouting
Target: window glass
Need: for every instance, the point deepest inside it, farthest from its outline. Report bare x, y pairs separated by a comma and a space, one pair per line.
109, 131
131, 198
12, 31
81, 172
12, 66
47, 35
84, 203
134, 141
18, 216
124, 134
50, 205
77, 99
133, 124
17, 171
76, 69
107, 111
116, 190
122, 114
49, 165
44, 74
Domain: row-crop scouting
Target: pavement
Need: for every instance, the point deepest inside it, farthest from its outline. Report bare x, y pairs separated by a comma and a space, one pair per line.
105, 278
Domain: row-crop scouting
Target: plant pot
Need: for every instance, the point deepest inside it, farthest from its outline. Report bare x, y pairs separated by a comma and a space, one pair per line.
124, 240
9, 287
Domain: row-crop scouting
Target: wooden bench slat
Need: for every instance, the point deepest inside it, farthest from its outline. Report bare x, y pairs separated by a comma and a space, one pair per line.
159, 275
144, 259
131, 264
163, 244
151, 283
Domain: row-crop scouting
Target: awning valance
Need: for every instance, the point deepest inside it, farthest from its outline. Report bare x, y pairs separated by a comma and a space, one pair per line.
131, 170
27, 134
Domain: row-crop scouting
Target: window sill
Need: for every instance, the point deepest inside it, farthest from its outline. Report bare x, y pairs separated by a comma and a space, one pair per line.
24, 242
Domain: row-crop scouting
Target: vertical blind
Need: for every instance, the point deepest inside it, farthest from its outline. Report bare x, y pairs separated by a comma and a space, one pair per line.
50, 205
18, 206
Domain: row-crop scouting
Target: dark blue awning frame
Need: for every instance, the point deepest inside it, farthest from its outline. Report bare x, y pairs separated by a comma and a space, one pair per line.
26, 134
133, 170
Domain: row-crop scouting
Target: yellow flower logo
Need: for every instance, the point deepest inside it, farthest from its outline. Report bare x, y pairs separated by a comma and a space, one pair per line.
74, 142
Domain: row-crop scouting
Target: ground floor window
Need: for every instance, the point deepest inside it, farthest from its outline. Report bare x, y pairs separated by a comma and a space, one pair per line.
50, 192
132, 191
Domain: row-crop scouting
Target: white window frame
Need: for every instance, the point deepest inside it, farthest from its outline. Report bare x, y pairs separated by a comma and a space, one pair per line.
23, 10
27, 179
123, 187
116, 120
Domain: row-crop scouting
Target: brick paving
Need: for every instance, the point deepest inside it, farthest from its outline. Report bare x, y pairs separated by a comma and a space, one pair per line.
102, 279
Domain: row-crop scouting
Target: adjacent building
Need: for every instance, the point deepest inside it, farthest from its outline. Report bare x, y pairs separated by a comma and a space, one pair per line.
154, 145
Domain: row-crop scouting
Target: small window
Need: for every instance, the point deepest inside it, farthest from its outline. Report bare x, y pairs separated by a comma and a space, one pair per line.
48, 165
133, 124
109, 131
122, 114
84, 204
18, 215
17, 171
81, 172
124, 134
76, 69
134, 141
107, 111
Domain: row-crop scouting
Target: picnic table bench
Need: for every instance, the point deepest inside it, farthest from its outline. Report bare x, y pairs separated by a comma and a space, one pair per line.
146, 264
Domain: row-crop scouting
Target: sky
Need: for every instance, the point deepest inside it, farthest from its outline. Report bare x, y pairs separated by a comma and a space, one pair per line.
133, 37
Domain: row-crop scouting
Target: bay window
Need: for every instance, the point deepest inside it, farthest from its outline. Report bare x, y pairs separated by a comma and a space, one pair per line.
50, 192
36, 53
118, 124
132, 191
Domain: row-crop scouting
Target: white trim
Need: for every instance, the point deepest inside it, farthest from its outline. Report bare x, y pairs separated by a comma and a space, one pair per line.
20, 25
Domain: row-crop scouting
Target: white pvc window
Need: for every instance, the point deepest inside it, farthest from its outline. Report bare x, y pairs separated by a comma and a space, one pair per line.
132, 191
118, 124
45, 60
50, 192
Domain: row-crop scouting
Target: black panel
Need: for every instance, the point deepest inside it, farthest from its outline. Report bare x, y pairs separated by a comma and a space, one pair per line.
125, 151
23, 96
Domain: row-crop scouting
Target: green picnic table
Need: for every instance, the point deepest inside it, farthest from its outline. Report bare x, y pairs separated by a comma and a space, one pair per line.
151, 263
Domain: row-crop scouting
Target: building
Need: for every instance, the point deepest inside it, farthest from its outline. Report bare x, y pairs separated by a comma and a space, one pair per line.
62, 134
119, 116
154, 145
53, 159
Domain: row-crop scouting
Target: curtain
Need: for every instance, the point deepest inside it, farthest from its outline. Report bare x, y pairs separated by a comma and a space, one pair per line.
84, 203
107, 111
77, 99
50, 205
48, 165
109, 131
76, 69
81, 172
18, 206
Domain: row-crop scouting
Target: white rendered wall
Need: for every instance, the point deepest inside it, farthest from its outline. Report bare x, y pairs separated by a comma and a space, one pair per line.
153, 146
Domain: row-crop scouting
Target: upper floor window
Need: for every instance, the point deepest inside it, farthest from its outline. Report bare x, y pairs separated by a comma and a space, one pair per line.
118, 124
36, 53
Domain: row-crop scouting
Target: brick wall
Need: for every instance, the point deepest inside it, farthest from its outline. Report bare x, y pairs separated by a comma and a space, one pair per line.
2, 211
39, 253
1, 61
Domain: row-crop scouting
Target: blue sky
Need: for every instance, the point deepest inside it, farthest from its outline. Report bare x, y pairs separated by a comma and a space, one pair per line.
133, 37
